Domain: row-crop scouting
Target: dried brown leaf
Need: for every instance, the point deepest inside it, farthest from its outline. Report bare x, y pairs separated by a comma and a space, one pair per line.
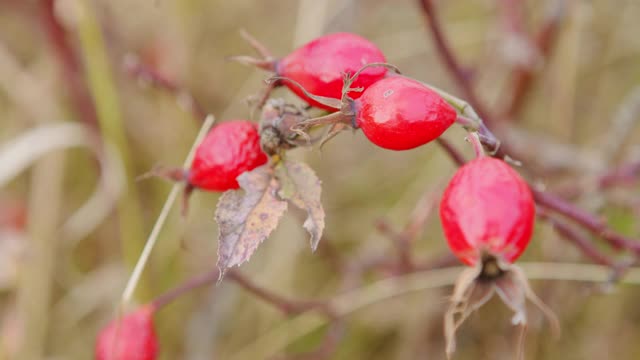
246, 218
302, 188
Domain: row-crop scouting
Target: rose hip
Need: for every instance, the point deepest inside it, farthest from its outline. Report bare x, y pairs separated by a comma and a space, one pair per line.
487, 208
487, 213
131, 337
319, 65
229, 149
395, 113
399, 113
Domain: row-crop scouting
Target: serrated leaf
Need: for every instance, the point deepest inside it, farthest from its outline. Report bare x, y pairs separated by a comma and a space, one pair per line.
246, 218
301, 186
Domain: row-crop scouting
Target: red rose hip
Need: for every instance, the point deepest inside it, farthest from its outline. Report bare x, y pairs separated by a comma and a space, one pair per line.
487, 208
230, 149
487, 213
395, 113
131, 337
399, 113
319, 65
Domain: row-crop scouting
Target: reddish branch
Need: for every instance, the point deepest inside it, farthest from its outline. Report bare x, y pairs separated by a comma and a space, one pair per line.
141, 71
593, 223
623, 175
523, 77
445, 51
461, 76
453, 153
627, 174
71, 66
196, 282
287, 306
513, 16
403, 240
401, 243
577, 238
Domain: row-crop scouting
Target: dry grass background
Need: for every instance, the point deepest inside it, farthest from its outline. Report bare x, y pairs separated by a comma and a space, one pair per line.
60, 285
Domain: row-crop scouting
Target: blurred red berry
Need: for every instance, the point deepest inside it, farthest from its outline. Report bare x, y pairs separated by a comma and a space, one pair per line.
13, 214
131, 337
487, 208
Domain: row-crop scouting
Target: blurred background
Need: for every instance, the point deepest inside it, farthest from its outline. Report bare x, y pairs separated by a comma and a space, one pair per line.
81, 119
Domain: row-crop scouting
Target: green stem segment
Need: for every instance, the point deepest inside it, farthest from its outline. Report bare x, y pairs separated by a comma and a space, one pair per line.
104, 93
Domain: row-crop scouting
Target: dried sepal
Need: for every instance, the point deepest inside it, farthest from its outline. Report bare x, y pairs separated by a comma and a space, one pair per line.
277, 126
469, 294
551, 317
326, 101
475, 286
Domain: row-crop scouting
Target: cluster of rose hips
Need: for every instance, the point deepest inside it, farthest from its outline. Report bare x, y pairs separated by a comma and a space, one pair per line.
487, 210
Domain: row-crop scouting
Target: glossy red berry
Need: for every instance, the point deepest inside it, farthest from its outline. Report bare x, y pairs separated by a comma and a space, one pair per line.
131, 337
487, 208
399, 113
320, 64
230, 149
